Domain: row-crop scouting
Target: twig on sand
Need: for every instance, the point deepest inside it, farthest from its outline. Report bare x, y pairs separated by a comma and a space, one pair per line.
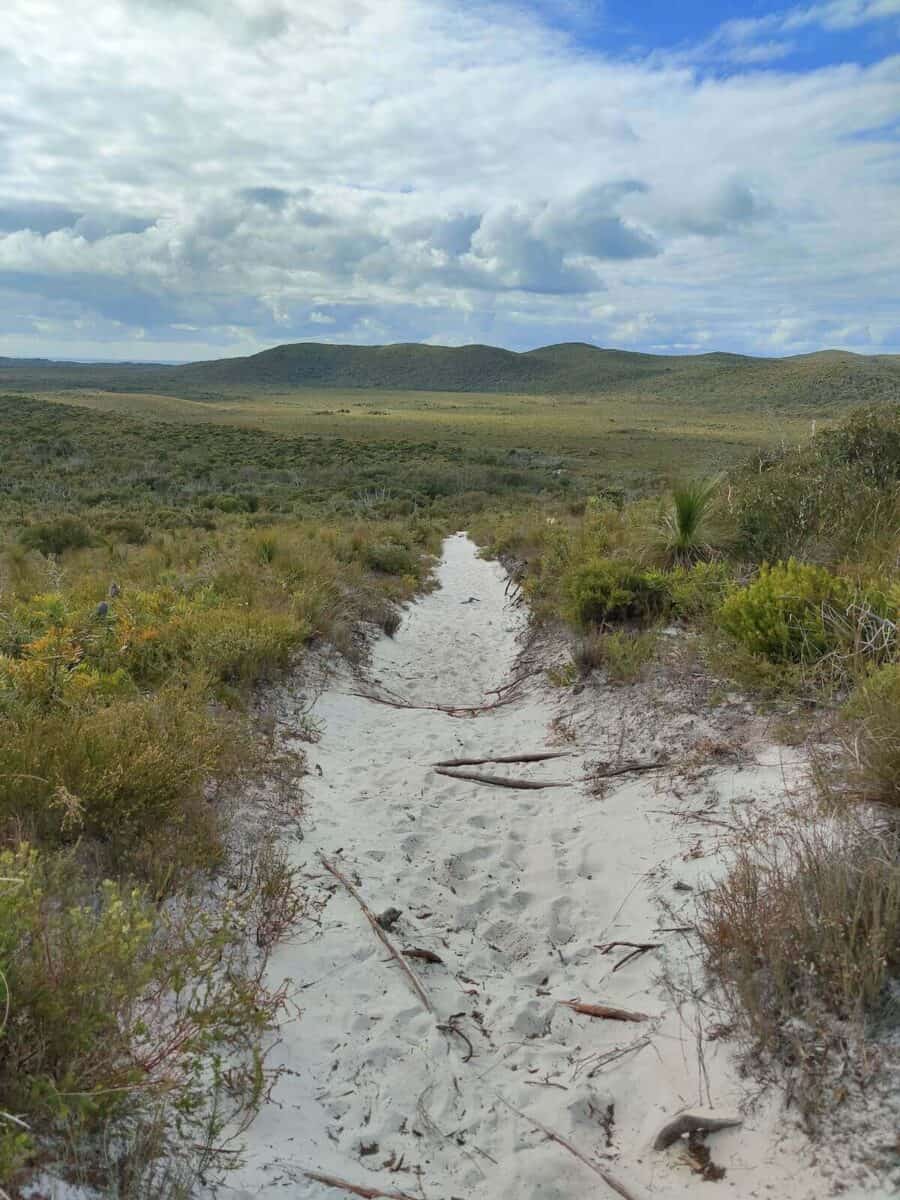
598, 1061
608, 1178
630, 768
379, 933
603, 1010
499, 781
451, 1028
515, 681
542, 756
637, 949
355, 1189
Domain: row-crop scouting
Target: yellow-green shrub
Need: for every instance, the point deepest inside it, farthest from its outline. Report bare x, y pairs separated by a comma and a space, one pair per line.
785, 614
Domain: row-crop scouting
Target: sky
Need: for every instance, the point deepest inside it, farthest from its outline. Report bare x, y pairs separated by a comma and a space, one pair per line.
185, 179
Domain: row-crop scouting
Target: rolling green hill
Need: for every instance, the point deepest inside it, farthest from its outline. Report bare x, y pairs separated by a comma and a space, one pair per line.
825, 381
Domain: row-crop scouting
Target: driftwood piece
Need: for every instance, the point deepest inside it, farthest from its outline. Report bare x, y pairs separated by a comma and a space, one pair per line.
381, 935
603, 1010
696, 1120
608, 1178
355, 1189
505, 758
499, 781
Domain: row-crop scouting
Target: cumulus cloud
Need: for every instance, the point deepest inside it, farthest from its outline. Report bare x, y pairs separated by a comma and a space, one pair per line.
190, 173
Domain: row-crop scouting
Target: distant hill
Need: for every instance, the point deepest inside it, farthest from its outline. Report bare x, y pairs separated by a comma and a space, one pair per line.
822, 381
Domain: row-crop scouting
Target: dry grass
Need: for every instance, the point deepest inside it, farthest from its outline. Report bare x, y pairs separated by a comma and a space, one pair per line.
803, 938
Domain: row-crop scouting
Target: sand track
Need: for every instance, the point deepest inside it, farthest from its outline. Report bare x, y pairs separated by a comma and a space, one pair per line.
514, 891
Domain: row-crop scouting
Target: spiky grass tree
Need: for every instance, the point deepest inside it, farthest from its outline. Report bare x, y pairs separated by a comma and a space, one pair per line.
687, 523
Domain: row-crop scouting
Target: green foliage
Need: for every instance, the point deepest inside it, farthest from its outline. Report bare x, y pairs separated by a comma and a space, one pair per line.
114, 1004
602, 590
698, 591
788, 613
827, 498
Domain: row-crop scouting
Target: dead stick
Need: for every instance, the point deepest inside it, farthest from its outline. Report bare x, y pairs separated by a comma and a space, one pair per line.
608, 1178
499, 781
506, 758
355, 1189
379, 932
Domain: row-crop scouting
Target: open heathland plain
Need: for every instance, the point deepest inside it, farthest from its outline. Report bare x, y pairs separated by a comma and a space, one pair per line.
202, 570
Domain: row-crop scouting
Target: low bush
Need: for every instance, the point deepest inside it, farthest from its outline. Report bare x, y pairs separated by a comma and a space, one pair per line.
602, 590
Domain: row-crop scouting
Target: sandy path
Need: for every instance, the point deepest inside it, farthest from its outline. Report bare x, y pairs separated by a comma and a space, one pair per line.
514, 890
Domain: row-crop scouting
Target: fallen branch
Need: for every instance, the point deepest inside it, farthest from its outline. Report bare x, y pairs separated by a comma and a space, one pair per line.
499, 781
638, 948
603, 1010
693, 1121
379, 932
356, 1189
608, 1178
451, 710
506, 758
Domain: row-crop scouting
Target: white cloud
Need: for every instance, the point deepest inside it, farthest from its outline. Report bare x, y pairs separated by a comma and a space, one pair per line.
202, 173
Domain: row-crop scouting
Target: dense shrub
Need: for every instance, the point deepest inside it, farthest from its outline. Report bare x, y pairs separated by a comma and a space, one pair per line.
785, 613
602, 590
836, 496
55, 537
391, 559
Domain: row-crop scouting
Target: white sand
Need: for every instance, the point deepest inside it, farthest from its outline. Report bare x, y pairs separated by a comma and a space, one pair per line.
514, 890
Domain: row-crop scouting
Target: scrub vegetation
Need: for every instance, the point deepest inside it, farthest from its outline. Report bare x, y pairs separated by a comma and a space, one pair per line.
791, 591
154, 572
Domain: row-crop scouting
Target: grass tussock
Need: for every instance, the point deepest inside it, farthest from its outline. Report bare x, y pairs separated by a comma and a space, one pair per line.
870, 767
803, 939
622, 655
